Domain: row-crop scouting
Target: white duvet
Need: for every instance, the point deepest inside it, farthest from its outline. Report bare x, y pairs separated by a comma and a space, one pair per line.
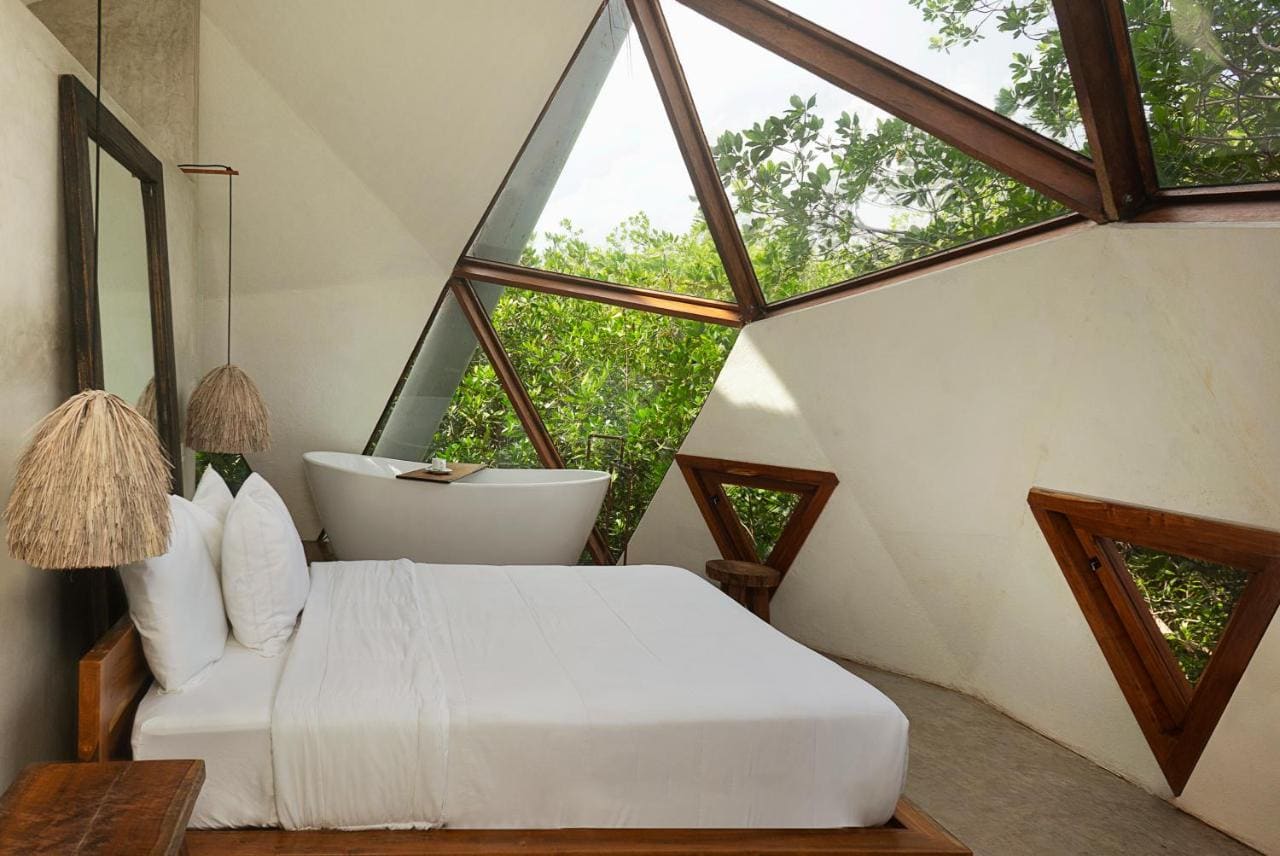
542, 697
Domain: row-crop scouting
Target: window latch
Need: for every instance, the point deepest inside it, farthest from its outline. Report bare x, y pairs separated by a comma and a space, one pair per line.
1095, 564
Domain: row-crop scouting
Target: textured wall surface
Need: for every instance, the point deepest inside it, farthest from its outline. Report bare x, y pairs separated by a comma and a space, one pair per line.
1132, 362
149, 61
39, 640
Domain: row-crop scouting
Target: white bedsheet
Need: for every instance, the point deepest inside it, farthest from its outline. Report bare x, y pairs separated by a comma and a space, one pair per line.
224, 719
536, 697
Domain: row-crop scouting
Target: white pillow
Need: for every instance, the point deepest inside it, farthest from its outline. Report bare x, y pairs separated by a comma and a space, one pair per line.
176, 602
213, 495
264, 568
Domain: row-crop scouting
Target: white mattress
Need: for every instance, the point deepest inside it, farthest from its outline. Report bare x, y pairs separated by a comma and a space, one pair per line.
543, 697
225, 719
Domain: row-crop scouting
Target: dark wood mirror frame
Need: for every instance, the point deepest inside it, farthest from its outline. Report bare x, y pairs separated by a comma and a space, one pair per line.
78, 125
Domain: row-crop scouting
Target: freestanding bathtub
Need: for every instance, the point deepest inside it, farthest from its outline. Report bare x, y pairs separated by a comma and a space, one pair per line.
494, 517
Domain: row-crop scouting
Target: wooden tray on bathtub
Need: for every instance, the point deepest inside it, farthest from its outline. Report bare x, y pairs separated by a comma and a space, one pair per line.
457, 471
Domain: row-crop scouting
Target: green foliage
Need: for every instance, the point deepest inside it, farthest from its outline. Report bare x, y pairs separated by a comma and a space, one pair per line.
1210, 73
764, 513
234, 469
628, 384
635, 253
1209, 70
1191, 600
820, 205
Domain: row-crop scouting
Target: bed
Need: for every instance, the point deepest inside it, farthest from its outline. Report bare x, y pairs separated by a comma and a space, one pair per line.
577, 705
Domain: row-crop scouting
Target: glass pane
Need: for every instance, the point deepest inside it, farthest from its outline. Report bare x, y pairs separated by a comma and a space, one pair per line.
1004, 54
1190, 599
1210, 77
764, 513
480, 425
602, 190
825, 186
617, 389
427, 388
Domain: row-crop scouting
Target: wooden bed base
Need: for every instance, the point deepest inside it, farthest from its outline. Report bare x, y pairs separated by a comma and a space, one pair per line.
114, 676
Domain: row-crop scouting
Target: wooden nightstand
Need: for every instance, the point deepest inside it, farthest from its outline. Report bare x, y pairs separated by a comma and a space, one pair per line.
746, 582
134, 807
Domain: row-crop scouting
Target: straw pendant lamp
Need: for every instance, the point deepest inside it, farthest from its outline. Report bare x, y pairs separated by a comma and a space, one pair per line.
226, 412
92, 488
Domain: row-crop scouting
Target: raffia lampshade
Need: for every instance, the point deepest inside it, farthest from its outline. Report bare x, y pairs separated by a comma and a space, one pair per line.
227, 414
92, 488
147, 402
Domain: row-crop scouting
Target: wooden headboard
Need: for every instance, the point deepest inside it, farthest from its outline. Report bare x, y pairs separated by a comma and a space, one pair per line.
113, 678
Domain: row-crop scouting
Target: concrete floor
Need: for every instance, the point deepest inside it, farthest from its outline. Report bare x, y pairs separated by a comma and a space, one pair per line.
1005, 790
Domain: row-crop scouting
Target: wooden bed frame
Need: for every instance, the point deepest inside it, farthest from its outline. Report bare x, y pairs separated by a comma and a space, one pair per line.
114, 676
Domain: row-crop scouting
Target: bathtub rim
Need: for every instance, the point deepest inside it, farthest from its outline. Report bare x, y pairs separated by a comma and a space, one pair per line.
586, 476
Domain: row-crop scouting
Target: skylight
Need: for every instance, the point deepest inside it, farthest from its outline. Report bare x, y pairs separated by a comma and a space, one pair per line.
827, 187
1210, 77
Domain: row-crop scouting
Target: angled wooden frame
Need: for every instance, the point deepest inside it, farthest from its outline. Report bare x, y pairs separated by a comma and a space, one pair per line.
1001, 143
1176, 718
1095, 39
525, 409
707, 477
78, 126
646, 300
722, 223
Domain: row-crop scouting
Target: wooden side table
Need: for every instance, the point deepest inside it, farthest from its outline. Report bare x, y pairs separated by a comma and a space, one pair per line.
748, 583
136, 807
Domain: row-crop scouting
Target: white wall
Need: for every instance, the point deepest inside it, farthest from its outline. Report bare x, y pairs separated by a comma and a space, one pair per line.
1138, 363
361, 181
38, 639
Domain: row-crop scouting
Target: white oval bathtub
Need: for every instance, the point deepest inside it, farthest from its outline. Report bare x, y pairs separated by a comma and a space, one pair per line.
494, 517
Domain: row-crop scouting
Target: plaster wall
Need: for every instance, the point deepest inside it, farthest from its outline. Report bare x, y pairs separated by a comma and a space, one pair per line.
40, 638
1132, 362
148, 61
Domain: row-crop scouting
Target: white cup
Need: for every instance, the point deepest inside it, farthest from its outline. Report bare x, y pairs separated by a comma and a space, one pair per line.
438, 465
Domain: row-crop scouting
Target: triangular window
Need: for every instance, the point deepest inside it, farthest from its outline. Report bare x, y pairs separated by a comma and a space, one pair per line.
757, 512
1190, 600
763, 513
600, 189
825, 186
1177, 618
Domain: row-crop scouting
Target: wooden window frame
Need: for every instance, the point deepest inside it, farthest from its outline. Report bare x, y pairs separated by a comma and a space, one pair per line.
1117, 183
707, 477
1176, 718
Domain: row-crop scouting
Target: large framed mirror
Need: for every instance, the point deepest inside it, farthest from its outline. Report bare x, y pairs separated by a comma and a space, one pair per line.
121, 312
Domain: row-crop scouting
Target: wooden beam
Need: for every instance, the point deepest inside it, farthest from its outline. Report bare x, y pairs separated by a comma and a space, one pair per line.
651, 26
526, 412
999, 142
643, 299
1252, 203
1095, 39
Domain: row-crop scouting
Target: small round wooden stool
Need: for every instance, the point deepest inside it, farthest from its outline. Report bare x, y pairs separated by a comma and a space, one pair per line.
746, 582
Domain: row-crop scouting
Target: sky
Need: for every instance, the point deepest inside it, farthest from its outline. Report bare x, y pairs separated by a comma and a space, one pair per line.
626, 160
